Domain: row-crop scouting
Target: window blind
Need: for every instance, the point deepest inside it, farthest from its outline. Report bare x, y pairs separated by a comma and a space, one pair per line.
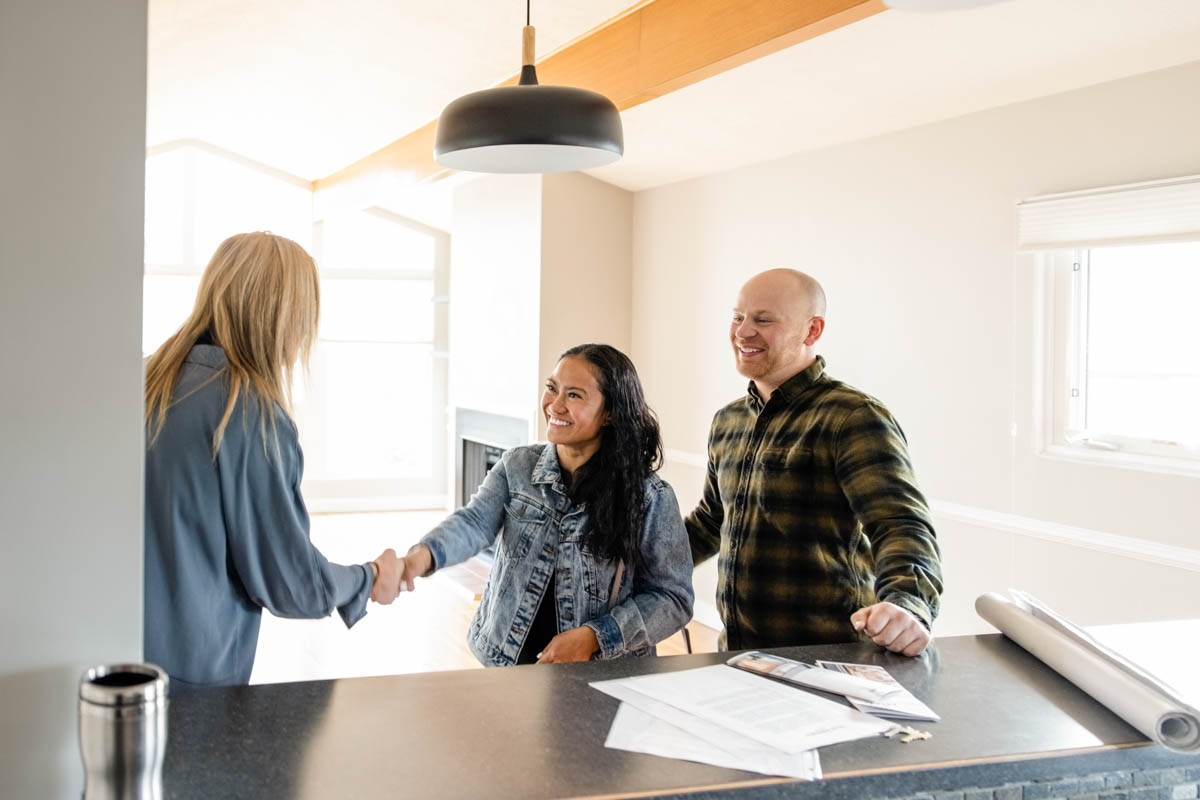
1138, 213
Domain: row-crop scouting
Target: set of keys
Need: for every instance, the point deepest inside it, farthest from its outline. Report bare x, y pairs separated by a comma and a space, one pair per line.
906, 733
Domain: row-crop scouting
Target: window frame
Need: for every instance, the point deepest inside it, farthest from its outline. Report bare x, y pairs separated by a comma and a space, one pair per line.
1061, 385
350, 494
359, 494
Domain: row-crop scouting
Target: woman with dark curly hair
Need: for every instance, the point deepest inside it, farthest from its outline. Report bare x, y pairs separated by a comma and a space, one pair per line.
592, 559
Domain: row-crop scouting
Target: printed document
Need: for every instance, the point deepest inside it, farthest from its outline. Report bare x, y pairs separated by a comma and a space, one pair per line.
639, 732
644, 725
780, 716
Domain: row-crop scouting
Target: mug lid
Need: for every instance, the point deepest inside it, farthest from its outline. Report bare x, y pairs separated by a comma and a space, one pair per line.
123, 684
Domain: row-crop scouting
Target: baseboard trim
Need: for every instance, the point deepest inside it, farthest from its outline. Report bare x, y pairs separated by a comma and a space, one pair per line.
1084, 538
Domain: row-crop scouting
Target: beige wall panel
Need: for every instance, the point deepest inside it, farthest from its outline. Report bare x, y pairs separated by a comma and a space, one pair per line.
975, 559
586, 276
1097, 588
912, 235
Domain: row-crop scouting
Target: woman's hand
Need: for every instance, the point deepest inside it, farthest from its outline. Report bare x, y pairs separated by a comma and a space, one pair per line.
387, 577
417, 564
577, 644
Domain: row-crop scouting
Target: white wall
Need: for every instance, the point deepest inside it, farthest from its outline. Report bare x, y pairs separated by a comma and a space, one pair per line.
72, 150
495, 272
912, 235
551, 257
587, 267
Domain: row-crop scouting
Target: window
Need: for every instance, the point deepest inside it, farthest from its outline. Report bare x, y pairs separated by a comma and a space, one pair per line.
1130, 366
1121, 361
371, 413
195, 197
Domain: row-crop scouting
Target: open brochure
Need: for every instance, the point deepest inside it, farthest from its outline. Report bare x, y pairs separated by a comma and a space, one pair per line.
869, 688
898, 704
799, 673
1128, 690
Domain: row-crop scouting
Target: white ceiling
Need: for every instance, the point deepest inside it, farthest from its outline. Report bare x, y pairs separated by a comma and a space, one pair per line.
896, 70
308, 86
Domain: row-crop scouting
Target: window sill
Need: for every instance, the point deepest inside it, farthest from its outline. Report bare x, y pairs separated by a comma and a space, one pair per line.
1163, 465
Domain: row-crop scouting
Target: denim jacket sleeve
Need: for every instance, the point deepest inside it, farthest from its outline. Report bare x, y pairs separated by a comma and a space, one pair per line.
659, 601
474, 526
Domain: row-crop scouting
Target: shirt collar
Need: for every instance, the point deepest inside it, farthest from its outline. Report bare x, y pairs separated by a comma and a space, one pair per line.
794, 386
208, 355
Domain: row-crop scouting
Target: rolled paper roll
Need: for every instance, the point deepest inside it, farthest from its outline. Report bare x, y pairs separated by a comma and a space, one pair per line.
1112, 680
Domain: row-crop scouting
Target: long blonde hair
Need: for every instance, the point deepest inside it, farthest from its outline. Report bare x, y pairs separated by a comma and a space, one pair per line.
259, 301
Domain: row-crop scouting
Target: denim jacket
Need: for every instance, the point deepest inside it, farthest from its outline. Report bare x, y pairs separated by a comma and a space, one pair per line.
524, 500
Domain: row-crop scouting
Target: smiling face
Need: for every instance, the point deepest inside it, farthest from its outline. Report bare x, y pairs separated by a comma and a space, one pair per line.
774, 330
574, 407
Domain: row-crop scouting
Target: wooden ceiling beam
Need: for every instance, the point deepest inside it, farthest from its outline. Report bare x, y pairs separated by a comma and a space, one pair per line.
650, 50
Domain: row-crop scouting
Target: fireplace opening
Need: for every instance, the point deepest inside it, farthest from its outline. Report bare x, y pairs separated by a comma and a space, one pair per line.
478, 458
481, 439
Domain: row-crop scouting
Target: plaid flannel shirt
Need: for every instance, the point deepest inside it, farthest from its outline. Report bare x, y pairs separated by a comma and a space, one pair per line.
812, 509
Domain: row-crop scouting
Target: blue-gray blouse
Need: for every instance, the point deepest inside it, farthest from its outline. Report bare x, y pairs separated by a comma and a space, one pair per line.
228, 537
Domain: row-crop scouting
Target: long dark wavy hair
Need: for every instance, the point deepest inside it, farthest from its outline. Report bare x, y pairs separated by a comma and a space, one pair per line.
611, 482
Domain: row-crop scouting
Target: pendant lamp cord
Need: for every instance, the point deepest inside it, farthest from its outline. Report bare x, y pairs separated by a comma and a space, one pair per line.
528, 74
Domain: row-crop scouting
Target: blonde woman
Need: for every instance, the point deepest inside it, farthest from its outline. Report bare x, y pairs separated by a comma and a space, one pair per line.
226, 527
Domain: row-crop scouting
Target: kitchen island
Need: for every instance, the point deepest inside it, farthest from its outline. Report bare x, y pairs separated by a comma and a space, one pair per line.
1011, 729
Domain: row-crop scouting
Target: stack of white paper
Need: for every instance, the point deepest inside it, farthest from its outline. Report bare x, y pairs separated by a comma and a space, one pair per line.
723, 716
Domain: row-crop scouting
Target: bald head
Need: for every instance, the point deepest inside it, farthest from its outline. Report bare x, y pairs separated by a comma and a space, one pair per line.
798, 290
777, 319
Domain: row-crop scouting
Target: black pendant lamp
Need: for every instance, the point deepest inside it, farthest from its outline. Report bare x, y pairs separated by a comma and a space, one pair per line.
529, 127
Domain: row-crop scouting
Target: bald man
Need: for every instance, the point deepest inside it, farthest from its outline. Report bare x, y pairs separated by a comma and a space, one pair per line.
810, 503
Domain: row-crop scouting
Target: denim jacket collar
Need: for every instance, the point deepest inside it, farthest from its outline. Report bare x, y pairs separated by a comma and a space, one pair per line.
548, 470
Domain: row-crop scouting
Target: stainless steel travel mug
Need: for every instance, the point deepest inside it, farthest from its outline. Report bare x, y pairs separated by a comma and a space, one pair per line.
123, 731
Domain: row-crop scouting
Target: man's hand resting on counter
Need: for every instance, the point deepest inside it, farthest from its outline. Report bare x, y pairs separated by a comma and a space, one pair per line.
892, 627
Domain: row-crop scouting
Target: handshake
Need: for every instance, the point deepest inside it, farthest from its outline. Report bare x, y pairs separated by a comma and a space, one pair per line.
394, 575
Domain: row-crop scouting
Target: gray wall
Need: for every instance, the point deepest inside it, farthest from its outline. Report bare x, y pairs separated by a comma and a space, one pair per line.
72, 151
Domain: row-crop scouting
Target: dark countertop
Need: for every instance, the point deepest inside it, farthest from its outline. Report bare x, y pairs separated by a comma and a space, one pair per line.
538, 732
